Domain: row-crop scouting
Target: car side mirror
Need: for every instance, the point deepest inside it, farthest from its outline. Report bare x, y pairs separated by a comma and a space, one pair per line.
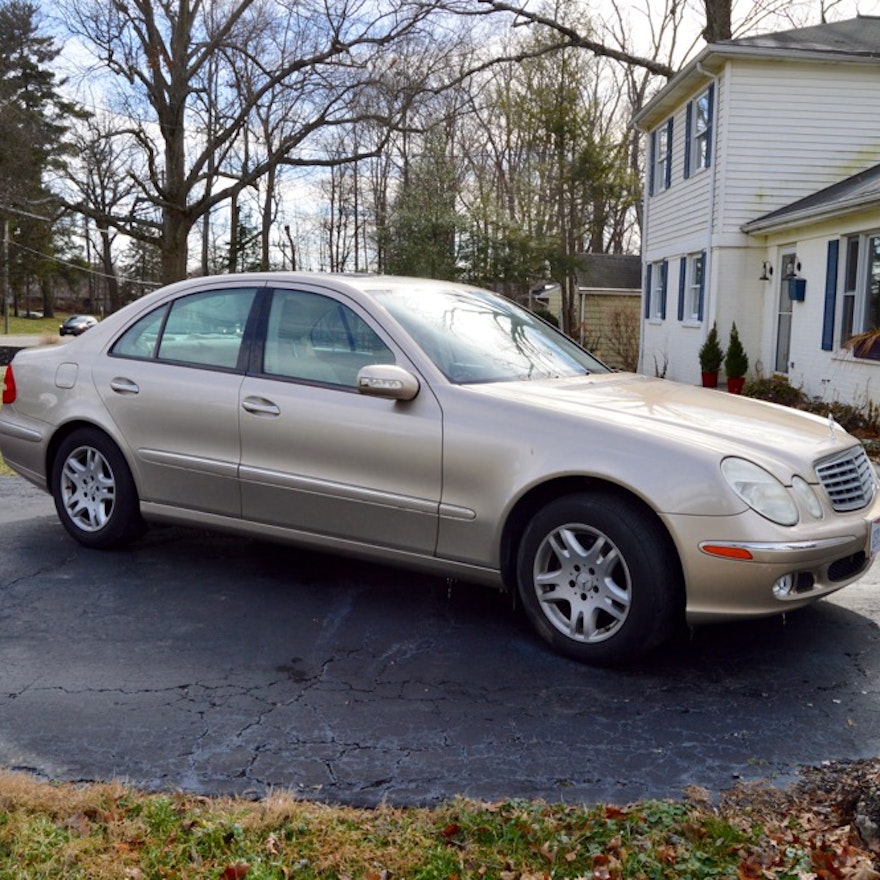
388, 381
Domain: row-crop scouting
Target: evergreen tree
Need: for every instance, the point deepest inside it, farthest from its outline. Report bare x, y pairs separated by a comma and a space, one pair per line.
424, 225
33, 124
33, 115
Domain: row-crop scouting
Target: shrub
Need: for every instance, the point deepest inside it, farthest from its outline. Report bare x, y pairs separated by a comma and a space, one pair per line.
777, 389
862, 421
711, 354
736, 361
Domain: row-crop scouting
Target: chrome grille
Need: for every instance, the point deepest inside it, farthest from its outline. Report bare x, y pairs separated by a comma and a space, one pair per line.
848, 479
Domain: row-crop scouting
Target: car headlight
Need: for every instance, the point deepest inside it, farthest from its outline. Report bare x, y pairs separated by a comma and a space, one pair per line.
760, 490
804, 493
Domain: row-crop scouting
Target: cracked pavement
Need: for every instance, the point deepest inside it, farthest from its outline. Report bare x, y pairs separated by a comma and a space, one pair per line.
222, 665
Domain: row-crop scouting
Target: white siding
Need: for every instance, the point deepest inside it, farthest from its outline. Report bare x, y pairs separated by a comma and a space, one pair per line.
793, 129
678, 214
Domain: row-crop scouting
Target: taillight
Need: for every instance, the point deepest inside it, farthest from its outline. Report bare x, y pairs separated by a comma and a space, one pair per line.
9, 386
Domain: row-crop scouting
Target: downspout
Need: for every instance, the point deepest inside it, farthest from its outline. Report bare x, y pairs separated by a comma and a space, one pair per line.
642, 320
710, 226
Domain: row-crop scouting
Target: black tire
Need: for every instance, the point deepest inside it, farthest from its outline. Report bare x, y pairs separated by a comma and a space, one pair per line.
599, 578
94, 492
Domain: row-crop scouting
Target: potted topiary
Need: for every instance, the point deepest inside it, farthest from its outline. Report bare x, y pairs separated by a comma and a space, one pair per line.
736, 362
711, 356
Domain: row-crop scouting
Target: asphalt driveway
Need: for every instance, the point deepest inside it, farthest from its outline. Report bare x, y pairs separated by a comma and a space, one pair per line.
218, 664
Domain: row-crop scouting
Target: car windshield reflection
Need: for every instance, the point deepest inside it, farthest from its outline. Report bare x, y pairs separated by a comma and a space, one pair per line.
472, 338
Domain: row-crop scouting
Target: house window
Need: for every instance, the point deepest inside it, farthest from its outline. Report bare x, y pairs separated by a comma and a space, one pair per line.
698, 143
861, 285
659, 273
850, 279
661, 164
695, 284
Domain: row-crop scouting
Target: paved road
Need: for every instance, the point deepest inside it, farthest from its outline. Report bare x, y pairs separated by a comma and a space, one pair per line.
227, 665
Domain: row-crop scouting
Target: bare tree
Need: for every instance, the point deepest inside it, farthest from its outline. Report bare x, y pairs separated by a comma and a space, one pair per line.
719, 19
574, 36
100, 175
159, 55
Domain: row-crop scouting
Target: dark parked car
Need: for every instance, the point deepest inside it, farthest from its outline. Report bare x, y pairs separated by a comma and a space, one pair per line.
77, 324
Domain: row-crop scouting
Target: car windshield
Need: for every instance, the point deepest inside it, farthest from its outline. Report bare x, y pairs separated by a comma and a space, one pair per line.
475, 336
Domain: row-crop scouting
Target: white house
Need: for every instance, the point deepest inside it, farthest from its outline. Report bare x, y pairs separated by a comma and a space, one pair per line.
762, 206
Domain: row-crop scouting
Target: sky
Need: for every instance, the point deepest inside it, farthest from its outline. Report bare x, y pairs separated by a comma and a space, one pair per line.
756, 16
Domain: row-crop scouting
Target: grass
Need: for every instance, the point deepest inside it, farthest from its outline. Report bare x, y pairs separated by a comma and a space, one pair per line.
33, 326
113, 831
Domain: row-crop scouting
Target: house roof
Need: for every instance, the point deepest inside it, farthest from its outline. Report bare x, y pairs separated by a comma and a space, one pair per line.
854, 40
853, 193
609, 271
854, 37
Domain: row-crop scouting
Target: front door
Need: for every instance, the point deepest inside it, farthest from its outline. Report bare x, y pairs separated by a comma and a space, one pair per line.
319, 457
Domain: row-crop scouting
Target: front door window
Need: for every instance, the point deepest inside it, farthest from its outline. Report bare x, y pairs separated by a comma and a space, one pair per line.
783, 319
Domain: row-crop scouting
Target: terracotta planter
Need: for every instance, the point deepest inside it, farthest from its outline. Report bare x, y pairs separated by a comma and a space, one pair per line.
735, 384
710, 380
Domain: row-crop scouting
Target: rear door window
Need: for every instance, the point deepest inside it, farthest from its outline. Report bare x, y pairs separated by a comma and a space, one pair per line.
204, 329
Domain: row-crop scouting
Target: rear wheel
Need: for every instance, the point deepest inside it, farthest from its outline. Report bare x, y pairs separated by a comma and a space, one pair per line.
599, 579
94, 492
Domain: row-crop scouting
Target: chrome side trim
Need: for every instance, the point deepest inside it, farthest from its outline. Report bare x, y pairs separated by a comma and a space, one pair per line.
781, 546
20, 432
452, 511
315, 486
189, 462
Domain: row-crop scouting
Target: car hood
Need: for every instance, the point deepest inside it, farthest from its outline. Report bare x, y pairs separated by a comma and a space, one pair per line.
711, 420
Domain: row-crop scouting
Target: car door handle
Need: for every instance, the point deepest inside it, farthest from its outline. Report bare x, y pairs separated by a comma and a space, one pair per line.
259, 406
124, 386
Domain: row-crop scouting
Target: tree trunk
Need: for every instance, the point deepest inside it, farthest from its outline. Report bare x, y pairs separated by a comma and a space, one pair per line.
176, 227
266, 225
114, 299
718, 21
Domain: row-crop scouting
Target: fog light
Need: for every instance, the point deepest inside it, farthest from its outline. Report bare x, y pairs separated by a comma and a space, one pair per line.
783, 586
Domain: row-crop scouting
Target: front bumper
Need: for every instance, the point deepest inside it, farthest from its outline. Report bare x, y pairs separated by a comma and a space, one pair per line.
734, 577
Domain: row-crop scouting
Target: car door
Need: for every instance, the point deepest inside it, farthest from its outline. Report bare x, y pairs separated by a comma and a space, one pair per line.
317, 456
171, 384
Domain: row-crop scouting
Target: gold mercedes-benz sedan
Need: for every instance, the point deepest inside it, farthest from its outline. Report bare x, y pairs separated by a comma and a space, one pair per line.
439, 426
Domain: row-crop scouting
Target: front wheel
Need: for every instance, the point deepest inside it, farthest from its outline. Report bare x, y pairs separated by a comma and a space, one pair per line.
599, 579
95, 495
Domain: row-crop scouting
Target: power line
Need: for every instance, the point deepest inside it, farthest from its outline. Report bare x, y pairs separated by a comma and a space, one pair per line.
79, 267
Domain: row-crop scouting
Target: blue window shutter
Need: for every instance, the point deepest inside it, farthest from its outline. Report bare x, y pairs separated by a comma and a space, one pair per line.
830, 295
669, 153
702, 285
648, 272
682, 277
710, 124
688, 134
652, 158
664, 269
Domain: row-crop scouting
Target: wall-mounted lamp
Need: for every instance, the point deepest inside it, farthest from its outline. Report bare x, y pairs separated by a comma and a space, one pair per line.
767, 274
792, 267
